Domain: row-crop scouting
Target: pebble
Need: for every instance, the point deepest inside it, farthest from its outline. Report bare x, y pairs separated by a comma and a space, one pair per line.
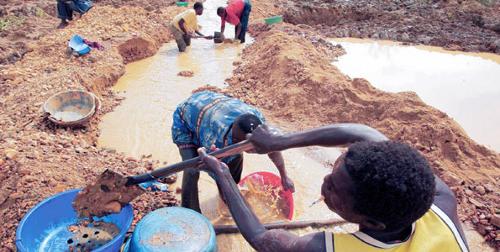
10, 154
476, 203
480, 189
468, 192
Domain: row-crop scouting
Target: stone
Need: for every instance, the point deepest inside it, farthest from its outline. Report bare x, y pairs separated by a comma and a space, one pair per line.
452, 179
10, 154
489, 187
476, 203
468, 192
480, 189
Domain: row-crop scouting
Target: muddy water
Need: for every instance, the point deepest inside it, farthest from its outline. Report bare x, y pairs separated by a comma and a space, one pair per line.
464, 85
141, 124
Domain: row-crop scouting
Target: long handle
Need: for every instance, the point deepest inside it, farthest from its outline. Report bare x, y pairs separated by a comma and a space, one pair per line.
231, 229
174, 168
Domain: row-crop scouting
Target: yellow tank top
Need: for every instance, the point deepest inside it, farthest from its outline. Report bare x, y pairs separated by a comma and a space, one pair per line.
433, 232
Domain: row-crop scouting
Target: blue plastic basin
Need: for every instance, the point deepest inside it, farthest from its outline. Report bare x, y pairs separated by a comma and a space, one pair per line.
45, 226
76, 44
173, 229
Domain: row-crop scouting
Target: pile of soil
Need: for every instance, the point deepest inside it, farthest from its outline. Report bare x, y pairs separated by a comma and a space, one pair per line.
468, 25
39, 159
24, 22
303, 89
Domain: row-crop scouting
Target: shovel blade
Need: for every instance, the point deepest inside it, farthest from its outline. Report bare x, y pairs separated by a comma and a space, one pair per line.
106, 196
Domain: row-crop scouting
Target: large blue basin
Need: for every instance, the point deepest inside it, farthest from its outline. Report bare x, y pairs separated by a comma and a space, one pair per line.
45, 226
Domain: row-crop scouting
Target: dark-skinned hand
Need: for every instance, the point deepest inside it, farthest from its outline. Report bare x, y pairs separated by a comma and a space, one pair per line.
211, 163
264, 139
287, 184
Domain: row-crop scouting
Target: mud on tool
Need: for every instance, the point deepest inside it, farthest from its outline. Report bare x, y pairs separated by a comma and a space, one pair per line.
113, 190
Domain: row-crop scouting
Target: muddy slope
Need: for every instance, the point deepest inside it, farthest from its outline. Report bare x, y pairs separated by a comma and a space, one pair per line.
459, 25
38, 159
304, 90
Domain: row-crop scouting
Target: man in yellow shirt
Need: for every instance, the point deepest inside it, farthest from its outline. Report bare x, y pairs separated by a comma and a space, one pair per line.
185, 24
386, 187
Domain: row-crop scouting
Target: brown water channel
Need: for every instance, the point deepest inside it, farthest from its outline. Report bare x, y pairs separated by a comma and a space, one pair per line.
152, 89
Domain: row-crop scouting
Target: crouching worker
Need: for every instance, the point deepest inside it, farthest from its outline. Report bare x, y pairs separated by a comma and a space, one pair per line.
386, 187
185, 24
65, 9
236, 13
208, 119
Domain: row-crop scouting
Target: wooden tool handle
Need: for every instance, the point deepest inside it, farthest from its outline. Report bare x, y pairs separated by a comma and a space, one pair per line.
231, 229
190, 163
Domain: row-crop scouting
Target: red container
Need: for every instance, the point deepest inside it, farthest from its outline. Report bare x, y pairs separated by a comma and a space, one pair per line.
268, 178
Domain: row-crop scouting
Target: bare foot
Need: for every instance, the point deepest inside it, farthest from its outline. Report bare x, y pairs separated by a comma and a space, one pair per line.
63, 24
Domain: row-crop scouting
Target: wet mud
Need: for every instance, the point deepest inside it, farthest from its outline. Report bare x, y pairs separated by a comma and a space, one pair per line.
105, 196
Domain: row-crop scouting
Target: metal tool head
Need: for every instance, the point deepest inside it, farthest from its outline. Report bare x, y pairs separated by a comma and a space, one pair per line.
103, 197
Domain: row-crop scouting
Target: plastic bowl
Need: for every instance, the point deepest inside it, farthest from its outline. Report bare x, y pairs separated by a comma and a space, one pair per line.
173, 229
268, 178
274, 20
73, 107
182, 4
44, 227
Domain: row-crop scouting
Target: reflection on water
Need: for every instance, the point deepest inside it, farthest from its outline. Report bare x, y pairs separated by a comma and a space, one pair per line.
464, 85
141, 124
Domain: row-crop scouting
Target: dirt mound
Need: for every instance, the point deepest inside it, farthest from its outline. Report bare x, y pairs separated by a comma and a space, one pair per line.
304, 90
460, 25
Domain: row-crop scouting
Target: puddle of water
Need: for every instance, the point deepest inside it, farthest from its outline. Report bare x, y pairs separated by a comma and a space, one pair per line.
152, 90
463, 85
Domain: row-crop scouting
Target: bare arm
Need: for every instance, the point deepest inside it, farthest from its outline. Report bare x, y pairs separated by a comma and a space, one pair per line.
238, 30
222, 26
266, 140
182, 26
279, 162
248, 223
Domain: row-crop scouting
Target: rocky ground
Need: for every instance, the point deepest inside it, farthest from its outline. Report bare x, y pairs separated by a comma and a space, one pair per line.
38, 159
468, 25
